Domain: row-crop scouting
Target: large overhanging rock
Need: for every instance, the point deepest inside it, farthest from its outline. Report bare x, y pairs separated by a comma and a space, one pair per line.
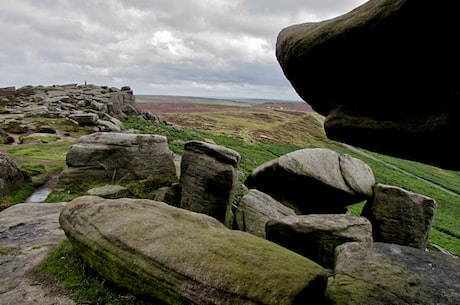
384, 77
208, 179
182, 257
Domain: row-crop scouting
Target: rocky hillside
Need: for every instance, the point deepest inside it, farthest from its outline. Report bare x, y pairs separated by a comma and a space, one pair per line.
98, 107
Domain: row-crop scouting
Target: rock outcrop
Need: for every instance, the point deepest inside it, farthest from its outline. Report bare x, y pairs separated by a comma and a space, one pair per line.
98, 107
109, 157
316, 180
400, 217
255, 209
381, 274
110, 191
181, 257
11, 177
382, 76
208, 179
317, 235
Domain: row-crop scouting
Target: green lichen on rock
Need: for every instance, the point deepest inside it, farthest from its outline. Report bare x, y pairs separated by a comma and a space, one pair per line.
181, 257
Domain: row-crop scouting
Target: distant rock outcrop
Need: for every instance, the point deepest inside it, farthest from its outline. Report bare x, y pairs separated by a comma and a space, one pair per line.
382, 76
11, 177
99, 107
316, 180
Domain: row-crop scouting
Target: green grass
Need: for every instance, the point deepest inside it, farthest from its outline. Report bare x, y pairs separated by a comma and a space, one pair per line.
65, 267
39, 161
426, 180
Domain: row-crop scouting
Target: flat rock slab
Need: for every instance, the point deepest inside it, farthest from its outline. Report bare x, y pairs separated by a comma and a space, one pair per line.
181, 257
28, 231
381, 274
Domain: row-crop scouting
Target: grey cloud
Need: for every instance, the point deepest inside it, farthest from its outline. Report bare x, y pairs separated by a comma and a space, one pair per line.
159, 45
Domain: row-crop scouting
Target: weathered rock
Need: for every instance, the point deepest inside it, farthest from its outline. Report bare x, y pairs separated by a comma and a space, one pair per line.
181, 257
84, 119
317, 236
382, 76
316, 180
5, 138
381, 274
111, 191
208, 179
104, 158
84, 105
255, 209
107, 126
399, 216
11, 177
28, 231
169, 194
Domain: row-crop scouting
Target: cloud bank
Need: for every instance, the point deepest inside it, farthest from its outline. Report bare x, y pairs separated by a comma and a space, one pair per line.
186, 47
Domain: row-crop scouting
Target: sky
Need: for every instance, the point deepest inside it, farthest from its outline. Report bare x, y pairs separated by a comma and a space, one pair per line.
208, 48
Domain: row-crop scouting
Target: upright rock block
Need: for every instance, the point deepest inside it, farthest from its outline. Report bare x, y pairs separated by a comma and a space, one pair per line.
208, 179
400, 217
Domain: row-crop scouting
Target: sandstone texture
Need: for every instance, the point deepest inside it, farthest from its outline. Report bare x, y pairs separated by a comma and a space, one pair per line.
182, 257
110, 157
315, 180
11, 177
255, 209
316, 236
400, 217
382, 76
381, 274
208, 179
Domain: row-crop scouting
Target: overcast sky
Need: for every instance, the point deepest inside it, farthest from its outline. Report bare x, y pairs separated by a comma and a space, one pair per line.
222, 48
